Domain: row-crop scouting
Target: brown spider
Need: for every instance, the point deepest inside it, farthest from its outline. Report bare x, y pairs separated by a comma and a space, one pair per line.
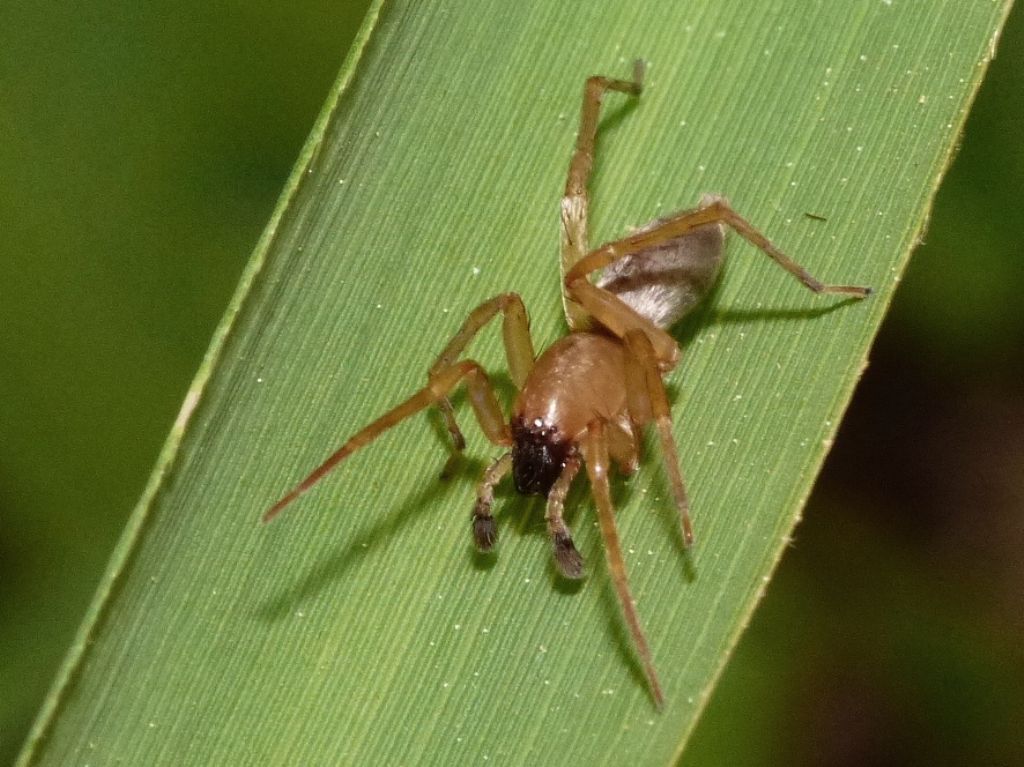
585, 399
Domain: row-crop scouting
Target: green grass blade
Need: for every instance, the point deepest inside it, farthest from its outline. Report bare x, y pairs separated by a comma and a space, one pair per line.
361, 628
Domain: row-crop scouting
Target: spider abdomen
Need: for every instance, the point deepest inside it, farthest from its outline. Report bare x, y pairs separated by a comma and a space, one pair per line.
666, 282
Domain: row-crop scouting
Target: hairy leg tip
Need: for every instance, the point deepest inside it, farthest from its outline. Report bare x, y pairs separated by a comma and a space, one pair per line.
485, 531
567, 557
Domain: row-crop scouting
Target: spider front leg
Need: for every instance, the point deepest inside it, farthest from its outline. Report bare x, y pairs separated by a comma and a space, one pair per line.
481, 396
515, 331
595, 453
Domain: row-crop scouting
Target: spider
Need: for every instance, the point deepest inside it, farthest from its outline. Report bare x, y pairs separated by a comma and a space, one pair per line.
585, 400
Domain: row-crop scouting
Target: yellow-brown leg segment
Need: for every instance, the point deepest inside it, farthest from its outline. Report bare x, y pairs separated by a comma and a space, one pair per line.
575, 202
620, 319
485, 532
716, 212
481, 395
567, 557
647, 394
595, 453
624, 448
515, 331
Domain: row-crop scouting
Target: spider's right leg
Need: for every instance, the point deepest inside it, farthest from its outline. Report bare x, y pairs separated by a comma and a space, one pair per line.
515, 330
481, 395
575, 202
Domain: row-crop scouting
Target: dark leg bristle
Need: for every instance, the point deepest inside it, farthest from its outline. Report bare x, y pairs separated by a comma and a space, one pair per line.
567, 557
485, 530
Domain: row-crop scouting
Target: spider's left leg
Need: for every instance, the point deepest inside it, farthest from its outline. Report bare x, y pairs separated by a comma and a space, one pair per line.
595, 453
515, 330
716, 211
622, 447
648, 402
576, 200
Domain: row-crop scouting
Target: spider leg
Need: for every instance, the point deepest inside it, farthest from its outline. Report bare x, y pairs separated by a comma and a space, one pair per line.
624, 447
595, 453
485, 532
481, 395
518, 351
647, 402
575, 202
567, 557
620, 319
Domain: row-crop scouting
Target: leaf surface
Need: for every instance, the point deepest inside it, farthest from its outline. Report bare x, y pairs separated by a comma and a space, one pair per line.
361, 628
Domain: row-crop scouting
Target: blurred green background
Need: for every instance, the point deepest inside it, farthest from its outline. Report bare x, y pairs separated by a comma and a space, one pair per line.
143, 147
